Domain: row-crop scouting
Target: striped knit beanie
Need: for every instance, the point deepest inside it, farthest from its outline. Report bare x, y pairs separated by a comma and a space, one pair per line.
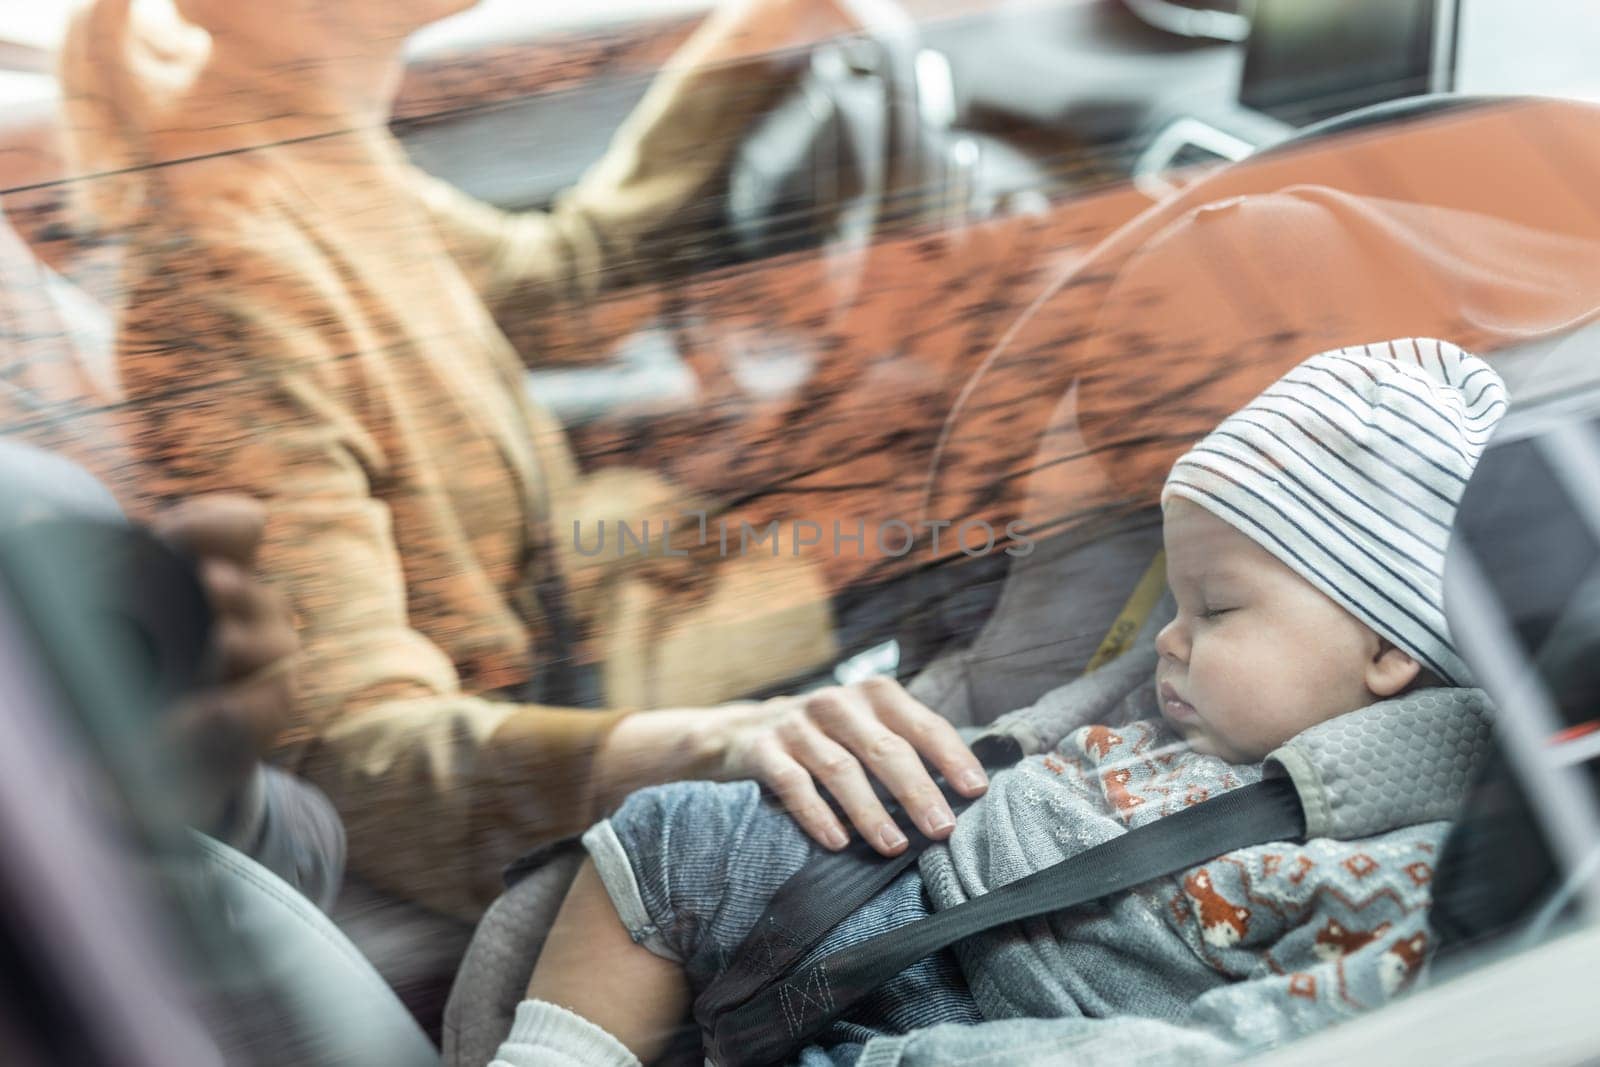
1349, 470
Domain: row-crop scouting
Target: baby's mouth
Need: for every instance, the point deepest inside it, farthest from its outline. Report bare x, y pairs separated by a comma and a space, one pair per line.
1175, 708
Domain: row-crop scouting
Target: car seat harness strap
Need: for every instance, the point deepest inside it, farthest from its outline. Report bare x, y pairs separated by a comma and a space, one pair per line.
765, 1007
1135, 612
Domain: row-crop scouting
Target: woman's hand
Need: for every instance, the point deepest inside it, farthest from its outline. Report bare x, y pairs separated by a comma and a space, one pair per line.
838, 738
222, 732
841, 737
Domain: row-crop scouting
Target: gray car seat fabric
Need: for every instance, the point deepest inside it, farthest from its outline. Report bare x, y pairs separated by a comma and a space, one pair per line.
35, 484
494, 974
1357, 775
417, 950
1055, 609
283, 822
342, 1012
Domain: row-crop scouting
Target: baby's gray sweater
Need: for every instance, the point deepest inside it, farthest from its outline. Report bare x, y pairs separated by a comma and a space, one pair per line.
1243, 952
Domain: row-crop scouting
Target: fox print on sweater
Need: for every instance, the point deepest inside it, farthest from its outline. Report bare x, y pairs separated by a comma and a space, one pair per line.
1247, 950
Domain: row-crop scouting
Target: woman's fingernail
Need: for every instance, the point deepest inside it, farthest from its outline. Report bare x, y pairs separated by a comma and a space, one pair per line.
973, 780
891, 837
836, 838
938, 820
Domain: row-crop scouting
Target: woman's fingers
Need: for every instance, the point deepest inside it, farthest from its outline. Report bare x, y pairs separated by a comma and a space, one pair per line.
797, 791
243, 718
218, 736
249, 647
851, 716
215, 524
254, 626
839, 739
929, 733
253, 622
841, 774
234, 592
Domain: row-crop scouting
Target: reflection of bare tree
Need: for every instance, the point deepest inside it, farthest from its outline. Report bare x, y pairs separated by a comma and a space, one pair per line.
1467, 227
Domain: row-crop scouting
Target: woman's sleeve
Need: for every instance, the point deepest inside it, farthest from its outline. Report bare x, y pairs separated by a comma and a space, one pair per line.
288, 826
612, 229
239, 378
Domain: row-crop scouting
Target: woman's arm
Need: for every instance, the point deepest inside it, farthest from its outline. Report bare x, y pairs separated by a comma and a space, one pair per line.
247, 367
241, 386
839, 739
246, 387
610, 230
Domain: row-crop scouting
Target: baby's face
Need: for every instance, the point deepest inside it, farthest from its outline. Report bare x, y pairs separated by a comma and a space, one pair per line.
1256, 653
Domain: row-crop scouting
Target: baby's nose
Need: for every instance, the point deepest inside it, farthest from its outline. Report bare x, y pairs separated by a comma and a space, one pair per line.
1173, 642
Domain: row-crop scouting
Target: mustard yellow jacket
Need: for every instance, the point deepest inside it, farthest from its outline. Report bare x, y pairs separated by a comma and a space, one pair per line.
312, 323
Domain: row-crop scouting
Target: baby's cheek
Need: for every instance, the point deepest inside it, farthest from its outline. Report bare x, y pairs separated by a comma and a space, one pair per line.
1249, 735
1257, 708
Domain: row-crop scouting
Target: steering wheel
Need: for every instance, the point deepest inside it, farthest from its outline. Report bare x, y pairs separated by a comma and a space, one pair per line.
859, 140
826, 164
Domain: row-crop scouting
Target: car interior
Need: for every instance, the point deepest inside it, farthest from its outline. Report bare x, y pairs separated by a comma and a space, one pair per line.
1034, 158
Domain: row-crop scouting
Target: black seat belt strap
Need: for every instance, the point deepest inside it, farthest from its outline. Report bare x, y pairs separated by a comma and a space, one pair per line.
793, 1007
831, 886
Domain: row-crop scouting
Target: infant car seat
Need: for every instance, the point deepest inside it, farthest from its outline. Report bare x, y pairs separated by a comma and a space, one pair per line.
1524, 855
1045, 398
1349, 234
1523, 599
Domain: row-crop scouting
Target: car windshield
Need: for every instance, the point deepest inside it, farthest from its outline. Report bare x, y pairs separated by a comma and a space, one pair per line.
507, 505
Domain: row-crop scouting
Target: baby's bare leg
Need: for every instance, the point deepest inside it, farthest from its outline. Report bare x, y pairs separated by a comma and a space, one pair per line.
591, 966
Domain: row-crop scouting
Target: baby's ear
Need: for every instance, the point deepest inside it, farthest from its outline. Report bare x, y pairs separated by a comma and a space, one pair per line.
1390, 670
